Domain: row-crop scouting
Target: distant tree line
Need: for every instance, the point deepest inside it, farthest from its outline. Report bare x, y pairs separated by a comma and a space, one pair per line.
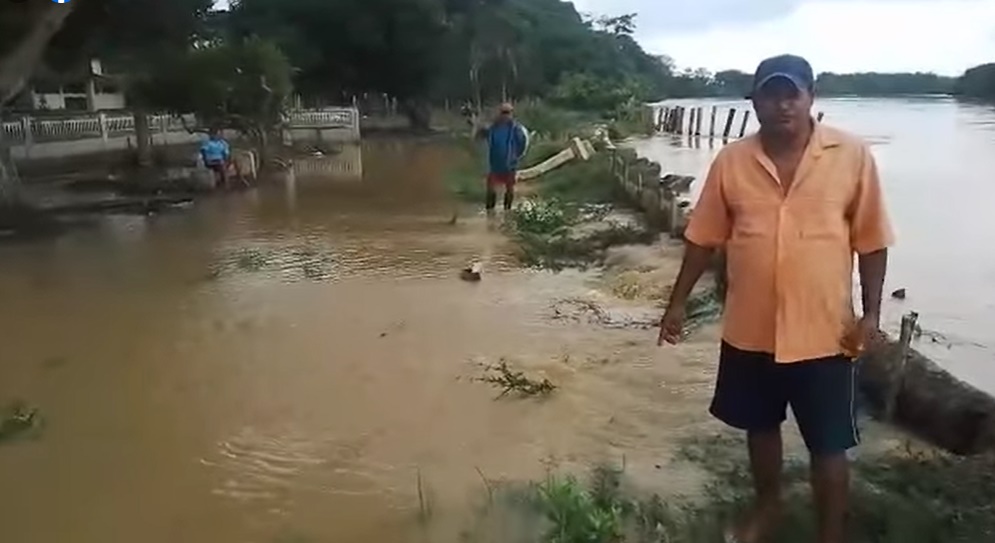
977, 82
737, 83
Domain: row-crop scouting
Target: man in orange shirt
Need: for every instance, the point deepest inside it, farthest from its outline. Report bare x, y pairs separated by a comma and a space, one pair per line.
790, 206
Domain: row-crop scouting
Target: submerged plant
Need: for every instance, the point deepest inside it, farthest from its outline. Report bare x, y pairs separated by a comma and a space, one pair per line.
509, 381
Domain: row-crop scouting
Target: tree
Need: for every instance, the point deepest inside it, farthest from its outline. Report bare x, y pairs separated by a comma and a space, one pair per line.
978, 82
25, 32
134, 37
623, 25
356, 46
242, 86
732, 83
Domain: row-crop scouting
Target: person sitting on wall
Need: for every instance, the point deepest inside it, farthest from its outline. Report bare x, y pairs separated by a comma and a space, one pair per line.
217, 156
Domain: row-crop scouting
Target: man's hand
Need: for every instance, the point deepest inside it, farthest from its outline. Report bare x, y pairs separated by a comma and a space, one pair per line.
866, 335
672, 325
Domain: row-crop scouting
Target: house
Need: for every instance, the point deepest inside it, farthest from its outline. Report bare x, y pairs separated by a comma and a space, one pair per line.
84, 89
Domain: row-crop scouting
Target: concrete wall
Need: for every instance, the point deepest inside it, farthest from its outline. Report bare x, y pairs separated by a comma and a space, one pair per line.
101, 101
32, 139
60, 149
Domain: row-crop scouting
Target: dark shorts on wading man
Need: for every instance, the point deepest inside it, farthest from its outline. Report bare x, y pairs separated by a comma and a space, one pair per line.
789, 302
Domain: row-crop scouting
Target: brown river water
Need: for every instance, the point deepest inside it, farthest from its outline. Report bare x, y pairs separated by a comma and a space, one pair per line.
287, 364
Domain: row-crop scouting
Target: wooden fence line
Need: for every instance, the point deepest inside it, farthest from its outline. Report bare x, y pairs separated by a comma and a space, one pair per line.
689, 120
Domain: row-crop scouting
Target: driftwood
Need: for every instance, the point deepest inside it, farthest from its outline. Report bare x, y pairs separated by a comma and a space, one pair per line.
906, 388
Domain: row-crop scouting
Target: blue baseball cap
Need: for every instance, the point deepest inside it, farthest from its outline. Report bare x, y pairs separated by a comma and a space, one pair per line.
795, 69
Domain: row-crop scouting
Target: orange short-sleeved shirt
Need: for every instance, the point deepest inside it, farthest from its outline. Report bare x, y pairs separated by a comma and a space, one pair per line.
789, 257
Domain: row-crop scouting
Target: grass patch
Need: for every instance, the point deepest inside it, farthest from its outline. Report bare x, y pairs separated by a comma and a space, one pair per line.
901, 497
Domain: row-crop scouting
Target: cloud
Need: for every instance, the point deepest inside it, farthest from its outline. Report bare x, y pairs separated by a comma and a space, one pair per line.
944, 36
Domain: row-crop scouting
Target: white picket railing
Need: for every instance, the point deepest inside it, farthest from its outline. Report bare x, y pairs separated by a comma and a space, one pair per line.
28, 130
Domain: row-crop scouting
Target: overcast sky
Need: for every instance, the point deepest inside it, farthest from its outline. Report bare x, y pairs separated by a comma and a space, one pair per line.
943, 36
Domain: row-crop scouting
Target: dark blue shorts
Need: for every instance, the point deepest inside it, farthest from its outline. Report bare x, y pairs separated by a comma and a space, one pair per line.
752, 393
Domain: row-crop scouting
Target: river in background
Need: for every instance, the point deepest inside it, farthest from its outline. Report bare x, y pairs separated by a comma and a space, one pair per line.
936, 158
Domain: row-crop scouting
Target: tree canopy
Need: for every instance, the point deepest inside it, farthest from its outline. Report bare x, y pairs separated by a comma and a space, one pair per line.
978, 82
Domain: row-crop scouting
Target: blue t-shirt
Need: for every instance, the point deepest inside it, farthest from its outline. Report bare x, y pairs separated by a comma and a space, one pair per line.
507, 143
214, 150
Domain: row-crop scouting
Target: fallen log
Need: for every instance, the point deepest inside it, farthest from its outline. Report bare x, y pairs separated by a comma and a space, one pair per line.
904, 387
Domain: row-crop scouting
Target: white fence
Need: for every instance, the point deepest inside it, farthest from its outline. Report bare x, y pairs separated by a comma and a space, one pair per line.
29, 130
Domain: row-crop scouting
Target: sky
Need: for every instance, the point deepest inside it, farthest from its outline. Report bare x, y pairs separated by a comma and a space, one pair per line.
942, 36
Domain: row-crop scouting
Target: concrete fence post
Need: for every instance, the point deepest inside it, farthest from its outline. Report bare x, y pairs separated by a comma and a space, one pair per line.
104, 136
29, 137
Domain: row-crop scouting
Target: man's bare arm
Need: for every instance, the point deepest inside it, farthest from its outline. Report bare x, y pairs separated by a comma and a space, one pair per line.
696, 261
873, 267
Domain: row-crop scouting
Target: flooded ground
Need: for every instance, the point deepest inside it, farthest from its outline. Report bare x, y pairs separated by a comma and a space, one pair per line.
936, 160
299, 363
287, 364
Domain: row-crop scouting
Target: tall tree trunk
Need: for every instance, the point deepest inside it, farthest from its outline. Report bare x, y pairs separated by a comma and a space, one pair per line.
143, 137
16, 67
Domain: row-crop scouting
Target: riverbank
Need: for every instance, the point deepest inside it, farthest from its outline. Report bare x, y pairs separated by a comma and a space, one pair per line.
896, 477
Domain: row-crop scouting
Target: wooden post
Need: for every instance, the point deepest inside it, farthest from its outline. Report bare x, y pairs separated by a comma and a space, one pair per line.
820, 116
746, 120
729, 120
711, 125
691, 118
659, 119
909, 322
697, 127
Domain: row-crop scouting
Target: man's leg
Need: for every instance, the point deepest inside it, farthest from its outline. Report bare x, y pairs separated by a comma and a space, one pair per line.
766, 462
509, 196
749, 395
823, 395
491, 201
830, 489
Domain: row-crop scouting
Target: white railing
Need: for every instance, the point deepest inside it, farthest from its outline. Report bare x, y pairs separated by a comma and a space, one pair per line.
324, 118
28, 130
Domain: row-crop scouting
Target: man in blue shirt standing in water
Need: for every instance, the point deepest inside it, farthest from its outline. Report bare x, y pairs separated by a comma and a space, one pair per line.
507, 141
217, 155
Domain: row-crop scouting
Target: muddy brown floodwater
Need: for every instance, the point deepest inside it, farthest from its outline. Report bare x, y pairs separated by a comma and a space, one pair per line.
286, 364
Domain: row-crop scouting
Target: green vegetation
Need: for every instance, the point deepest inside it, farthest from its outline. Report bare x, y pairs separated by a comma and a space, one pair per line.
509, 380
898, 497
978, 82
241, 85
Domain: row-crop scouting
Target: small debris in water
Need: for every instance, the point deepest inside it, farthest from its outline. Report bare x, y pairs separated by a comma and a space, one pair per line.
17, 420
472, 272
899, 294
